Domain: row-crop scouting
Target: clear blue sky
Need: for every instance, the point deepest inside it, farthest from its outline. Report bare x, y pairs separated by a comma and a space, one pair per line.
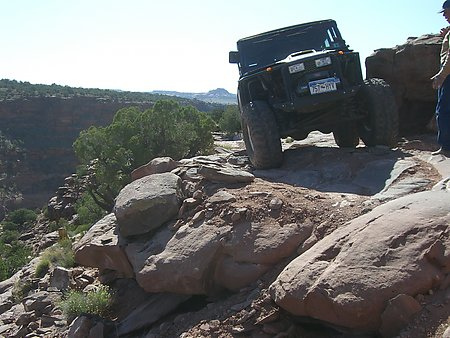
182, 45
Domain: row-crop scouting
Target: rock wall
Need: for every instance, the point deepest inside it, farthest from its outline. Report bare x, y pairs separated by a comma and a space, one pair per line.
48, 126
408, 69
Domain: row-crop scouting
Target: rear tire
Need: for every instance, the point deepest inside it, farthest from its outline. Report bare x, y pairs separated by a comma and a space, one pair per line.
261, 135
380, 124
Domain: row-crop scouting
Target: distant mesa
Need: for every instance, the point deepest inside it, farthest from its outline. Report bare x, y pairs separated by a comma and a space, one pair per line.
219, 92
219, 95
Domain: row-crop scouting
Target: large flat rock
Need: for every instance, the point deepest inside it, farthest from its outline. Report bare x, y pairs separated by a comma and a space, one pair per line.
201, 258
348, 278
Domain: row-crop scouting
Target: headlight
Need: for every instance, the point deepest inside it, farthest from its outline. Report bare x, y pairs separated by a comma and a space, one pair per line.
296, 68
323, 62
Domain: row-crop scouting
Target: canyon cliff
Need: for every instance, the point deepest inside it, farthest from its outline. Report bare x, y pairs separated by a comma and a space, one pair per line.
46, 127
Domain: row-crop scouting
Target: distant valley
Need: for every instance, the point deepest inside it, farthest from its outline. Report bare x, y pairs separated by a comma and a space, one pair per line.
219, 95
45, 120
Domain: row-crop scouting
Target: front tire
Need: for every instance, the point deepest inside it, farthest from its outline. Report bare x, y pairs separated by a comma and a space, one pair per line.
346, 136
261, 136
380, 123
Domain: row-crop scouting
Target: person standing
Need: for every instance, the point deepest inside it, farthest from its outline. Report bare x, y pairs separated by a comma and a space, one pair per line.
441, 82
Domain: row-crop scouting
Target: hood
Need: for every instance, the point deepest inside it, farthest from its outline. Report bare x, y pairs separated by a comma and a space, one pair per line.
305, 54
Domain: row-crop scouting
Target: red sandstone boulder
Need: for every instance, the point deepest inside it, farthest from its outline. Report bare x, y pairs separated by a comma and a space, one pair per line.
349, 277
156, 166
147, 203
102, 247
203, 257
408, 69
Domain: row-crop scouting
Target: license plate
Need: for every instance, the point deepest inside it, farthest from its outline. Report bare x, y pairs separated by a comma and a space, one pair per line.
322, 86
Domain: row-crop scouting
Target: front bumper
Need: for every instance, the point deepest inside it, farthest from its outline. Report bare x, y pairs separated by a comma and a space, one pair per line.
311, 103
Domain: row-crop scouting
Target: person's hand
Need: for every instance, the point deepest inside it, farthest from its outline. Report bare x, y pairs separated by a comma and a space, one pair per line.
438, 80
444, 30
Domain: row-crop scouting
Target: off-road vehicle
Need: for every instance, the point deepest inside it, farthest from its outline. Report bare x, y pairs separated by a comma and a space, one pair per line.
302, 78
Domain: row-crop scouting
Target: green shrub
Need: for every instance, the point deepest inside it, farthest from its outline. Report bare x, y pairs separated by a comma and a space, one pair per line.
12, 258
3, 270
42, 268
73, 305
22, 217
80, 229
55, 225
14, 254
20, 290
8, 225
44, 212
60, 254
109, 154
96, 302
9, 236
230, 122
88, 212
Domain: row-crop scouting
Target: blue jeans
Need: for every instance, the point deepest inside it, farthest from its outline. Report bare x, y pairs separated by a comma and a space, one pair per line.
443, 114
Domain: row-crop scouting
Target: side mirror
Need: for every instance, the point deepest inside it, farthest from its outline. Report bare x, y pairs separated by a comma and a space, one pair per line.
233, 57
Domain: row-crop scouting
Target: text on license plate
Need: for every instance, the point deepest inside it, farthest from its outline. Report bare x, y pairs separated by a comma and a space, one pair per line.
322, 86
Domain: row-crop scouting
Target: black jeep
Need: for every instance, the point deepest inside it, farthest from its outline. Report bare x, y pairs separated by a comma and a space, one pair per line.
302, 78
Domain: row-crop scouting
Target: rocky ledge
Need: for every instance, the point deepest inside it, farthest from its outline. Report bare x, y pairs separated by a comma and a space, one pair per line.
355, 242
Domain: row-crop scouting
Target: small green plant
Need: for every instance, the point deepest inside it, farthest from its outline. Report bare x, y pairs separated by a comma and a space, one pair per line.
44, 211
4, 273
20, 290
230, 122
12, 257
42, 268
13, 253
87, 210
8, 225
88, 213
80, 229
55, 225
9, 236
95, 302
22, 217
60, 254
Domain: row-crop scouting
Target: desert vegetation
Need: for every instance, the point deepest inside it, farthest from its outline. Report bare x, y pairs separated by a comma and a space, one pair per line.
13, 253
12, 90
109, 154
95, 302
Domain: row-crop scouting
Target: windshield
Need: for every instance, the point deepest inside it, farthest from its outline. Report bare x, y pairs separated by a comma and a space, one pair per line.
266, 49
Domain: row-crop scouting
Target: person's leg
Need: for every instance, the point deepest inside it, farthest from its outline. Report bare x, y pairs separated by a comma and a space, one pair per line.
443, 115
